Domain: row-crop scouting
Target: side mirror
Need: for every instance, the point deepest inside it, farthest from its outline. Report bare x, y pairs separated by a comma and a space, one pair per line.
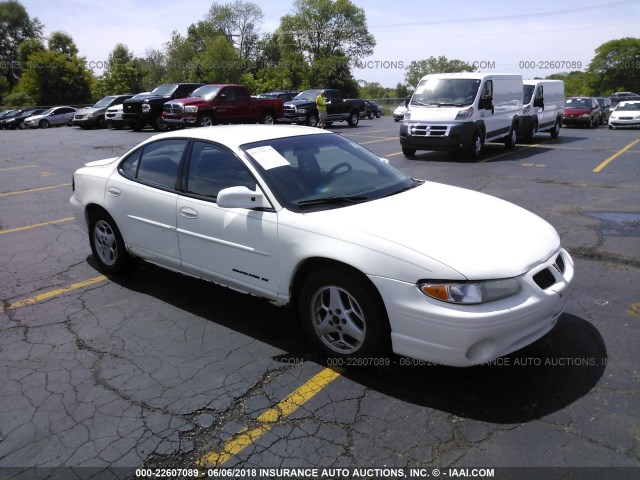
242, 197
406, 101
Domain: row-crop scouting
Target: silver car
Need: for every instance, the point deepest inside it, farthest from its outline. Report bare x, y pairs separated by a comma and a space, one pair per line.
51, 117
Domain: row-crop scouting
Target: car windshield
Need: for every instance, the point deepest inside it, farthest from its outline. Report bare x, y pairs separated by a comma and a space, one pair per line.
308, 95
628, 107
164, 90
48, 112
207, 92
105, 102
439, 92
578, 103
528, 93
313, 172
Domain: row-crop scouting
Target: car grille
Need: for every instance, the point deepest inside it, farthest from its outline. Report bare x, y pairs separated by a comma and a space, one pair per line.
78, 117
625, 118
172, 108
545, 278
290, 110
132, 108
428, 130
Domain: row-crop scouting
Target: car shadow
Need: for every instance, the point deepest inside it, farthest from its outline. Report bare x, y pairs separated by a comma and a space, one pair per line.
534, 382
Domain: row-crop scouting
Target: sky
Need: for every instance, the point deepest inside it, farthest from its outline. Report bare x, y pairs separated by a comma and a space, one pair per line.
535, 39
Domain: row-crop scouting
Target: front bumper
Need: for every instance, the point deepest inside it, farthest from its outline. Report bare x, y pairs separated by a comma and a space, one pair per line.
436, 136
180, 119
576, 120
85, 122
465, 335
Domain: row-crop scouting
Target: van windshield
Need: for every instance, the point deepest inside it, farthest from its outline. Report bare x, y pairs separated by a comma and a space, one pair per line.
445, 92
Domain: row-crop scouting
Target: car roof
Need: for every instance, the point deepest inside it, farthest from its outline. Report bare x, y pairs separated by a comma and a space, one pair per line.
235, 135
630, 102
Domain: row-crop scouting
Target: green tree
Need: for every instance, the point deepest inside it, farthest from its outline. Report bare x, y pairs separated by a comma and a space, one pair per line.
239, 22
124, 73
615, 67
181, 60
18, 99
62, 42
325, 28
154, 69
220, 62
15, 27
419, 68
575, 83
29, 46
52, 78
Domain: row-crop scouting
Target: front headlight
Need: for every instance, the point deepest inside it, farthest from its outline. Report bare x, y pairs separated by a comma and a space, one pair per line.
466, 113
190, 109
407, 115
470, 292
302, 110
585, 115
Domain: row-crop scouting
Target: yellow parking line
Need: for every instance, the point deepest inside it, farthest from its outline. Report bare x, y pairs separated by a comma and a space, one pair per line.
268, 419
614, 156
52, 293
16, 168
29, 190
381, 140
28, 227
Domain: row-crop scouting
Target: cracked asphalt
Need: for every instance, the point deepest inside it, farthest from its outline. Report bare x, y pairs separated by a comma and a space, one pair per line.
158, 370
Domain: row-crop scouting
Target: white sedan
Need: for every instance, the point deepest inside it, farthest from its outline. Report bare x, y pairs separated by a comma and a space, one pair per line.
304, 217
626, 114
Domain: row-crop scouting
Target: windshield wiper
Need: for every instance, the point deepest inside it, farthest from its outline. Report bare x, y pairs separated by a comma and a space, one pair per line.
337, 200
404, 189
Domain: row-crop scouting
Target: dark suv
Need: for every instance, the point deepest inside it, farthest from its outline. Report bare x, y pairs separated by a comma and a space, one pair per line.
581, 111
622, 96
147, 109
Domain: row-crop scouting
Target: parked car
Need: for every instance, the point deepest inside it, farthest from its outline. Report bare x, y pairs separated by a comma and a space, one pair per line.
398, 113
94, 116
543, 106
147, 109
626, 114
284, 95
53, 117
113, 115
16, 118
303, 110
220, 103
606, 108
583, 111
372, 109
305, 217
622, 96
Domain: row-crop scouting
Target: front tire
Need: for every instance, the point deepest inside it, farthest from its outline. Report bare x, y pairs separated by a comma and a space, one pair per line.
159, 125
44, 124
205, 120
107, 245
268, 118
312, 120
475, 147
408, 152
341, 315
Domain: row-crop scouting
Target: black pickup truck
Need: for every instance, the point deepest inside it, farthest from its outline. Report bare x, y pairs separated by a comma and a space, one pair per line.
147, 109
302, 109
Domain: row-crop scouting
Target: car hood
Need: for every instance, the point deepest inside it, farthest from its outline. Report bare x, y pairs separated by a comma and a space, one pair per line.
90, 110
434, 114
478, 235
576, 111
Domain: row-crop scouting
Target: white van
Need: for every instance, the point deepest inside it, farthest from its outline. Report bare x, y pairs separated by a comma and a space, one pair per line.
543, 107
462, 111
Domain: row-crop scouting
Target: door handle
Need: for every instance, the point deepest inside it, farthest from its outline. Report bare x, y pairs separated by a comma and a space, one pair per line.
188, 212
114, 191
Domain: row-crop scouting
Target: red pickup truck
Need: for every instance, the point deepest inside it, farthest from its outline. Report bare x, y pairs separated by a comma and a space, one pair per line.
212, 104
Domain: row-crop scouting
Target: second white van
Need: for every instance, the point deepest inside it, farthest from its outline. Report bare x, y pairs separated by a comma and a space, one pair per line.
462, 111
543, 104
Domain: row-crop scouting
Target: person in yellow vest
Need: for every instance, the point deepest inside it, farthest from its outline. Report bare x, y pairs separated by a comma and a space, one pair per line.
321, 105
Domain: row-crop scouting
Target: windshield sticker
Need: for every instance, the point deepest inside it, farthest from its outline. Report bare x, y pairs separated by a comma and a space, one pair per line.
268, 157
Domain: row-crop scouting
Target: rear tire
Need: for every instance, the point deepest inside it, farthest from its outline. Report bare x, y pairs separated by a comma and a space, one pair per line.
511, 139
354, 118
555, 131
